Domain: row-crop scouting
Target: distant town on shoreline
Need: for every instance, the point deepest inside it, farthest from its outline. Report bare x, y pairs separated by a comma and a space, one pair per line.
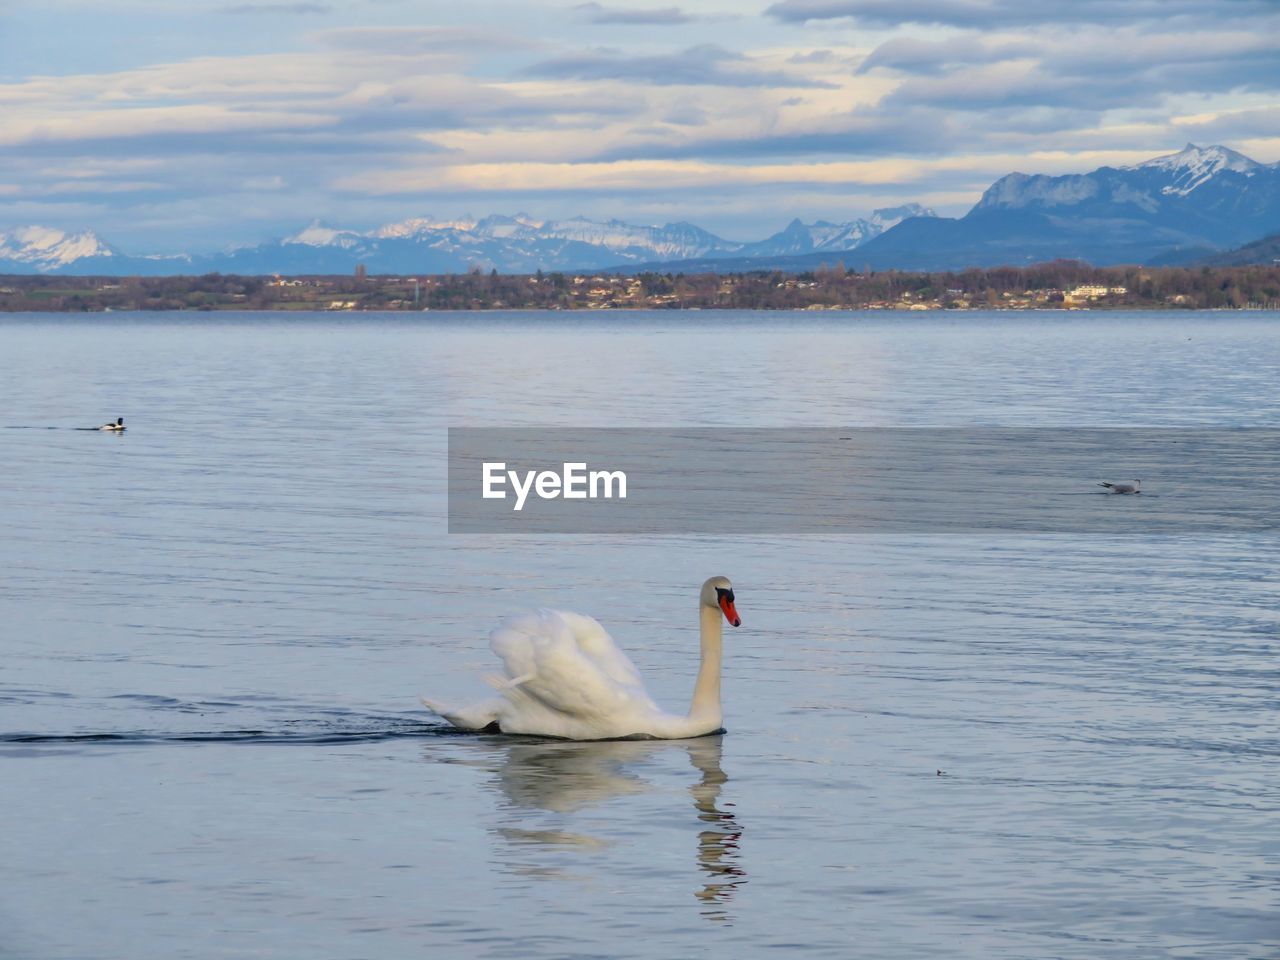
1066, 285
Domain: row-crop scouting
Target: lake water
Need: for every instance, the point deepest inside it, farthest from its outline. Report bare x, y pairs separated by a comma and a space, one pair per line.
215, 627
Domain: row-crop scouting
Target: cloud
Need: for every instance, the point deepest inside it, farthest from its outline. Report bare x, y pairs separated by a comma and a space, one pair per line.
686, 115
265, 183
704, 65
1262, 122
913, 55
815, 56
999, 14
598, 13
97, 188
415, 41
768, 120
1088, 70
279, 125
619, 175
659, 175
276, 8
1210, 59
201, 119
265, 102
874, 134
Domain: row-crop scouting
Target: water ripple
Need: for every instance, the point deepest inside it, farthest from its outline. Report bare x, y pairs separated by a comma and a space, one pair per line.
304, 732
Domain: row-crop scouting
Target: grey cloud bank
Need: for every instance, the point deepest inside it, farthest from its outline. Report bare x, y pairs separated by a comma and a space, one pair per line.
274, 8
992, 14
706, 65
598, 13
664, 112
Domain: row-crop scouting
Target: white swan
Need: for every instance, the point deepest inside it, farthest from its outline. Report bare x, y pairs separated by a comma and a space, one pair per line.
565, 677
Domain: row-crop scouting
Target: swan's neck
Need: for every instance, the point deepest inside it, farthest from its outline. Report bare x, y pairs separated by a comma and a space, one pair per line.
706, 692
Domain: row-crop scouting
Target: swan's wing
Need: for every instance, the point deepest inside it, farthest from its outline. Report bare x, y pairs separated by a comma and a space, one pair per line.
569, 664
594, 642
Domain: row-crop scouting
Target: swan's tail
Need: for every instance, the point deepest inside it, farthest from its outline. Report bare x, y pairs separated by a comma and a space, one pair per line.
475, 716
436, 707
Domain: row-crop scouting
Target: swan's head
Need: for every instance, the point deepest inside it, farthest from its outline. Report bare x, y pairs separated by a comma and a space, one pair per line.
718, 592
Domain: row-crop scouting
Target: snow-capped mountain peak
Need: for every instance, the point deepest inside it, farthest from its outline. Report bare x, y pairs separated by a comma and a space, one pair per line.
823, 236
1173, 182
1193, 166
501, 226
1192, 157
887, 217
317, 234
417, 225
671, 240
47, 248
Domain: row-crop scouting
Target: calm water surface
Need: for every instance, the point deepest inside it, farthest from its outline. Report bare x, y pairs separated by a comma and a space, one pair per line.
214, 629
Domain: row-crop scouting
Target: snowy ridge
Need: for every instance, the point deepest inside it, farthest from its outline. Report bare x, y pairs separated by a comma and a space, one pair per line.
672, 239
1192, 178
1021, 190
416, 225
47, 249
823, 236
317, 234
1193, 166
525, 235
518, 243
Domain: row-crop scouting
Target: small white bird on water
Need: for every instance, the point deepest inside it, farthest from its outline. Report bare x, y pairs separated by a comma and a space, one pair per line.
118, 425
565, 677
1135, 487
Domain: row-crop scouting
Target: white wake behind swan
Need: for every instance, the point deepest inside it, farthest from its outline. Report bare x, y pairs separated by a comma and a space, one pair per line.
565, 677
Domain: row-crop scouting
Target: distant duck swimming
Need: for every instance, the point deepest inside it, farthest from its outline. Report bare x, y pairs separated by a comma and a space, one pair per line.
1135, 487
118, 425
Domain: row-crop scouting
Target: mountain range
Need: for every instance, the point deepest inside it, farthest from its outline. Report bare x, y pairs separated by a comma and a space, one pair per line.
1182, 208
1264, 251
1173, 209
509, 244
1193, 206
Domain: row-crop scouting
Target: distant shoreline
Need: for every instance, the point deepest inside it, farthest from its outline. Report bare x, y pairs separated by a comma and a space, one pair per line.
1059, 286
629, 311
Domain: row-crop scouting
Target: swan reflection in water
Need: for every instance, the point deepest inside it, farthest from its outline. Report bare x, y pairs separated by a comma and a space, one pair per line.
566, 778
718, 840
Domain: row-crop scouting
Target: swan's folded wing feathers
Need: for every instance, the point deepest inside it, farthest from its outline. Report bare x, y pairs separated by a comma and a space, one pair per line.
592, 681
513, 642
596, 644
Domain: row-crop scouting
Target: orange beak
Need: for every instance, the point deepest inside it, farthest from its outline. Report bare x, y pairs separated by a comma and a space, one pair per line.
730, 613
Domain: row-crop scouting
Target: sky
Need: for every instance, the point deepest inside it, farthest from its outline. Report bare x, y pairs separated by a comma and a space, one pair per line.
191, 125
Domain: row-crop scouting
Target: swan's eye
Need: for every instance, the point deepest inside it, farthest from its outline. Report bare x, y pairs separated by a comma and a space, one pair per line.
723, 594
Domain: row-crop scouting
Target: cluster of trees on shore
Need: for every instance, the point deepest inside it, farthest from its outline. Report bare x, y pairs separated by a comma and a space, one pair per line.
1044, 285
